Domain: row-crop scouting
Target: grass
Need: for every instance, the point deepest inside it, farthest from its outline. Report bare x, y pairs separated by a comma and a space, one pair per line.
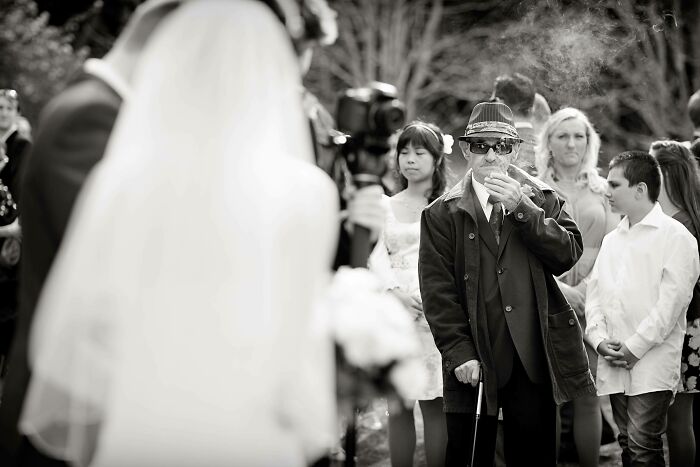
373, 449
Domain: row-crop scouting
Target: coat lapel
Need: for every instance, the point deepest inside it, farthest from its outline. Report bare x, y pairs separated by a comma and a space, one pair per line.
505, 233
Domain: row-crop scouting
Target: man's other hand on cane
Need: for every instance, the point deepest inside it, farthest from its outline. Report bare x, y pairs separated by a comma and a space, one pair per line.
469, 372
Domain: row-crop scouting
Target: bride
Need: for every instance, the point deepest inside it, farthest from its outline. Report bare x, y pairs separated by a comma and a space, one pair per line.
177, 325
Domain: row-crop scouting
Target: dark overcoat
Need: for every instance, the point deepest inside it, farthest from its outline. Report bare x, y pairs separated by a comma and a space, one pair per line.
449, 281
71, 138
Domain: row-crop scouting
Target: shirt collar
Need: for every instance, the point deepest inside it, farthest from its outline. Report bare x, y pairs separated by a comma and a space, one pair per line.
523, 124
102, 70
654, 218
481, 193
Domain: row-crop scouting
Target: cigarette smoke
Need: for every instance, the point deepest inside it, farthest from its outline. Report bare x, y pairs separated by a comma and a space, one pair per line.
563, 51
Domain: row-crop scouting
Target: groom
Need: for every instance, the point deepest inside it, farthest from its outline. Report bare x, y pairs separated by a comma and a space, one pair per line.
71, 138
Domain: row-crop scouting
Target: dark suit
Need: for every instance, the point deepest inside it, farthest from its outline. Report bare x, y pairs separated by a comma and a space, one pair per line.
498, 303
71, 138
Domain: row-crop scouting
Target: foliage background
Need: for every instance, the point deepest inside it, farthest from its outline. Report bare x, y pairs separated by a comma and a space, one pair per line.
630, 64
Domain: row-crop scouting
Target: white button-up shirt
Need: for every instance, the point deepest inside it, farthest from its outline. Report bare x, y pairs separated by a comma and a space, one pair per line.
639, 291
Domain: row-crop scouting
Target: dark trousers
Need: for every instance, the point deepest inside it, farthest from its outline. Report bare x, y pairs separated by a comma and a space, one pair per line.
529, 427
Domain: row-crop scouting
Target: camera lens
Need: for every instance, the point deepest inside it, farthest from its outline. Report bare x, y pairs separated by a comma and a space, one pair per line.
389, 117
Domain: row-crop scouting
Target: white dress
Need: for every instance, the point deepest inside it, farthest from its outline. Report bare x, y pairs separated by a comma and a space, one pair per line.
178, 324
395, 260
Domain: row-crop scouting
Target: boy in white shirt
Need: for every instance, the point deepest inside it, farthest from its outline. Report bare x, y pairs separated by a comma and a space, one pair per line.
637, 297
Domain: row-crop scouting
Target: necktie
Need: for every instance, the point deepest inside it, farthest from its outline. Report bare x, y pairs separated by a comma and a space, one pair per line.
496, 219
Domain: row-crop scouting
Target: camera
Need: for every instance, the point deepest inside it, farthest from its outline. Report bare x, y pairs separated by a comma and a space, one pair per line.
369, 116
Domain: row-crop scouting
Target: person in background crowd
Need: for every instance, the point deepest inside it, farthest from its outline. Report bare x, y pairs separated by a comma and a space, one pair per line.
16, 143
72, 135
567, 159
518, 92
695, 149
680, 198
540, 113
16, 146
694, 114
636, 304
489, 251
420, 161
361, 206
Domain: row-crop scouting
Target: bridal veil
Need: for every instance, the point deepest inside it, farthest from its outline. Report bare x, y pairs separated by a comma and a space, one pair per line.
177, 325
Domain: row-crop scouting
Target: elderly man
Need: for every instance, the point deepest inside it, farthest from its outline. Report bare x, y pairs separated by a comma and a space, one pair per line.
489, 251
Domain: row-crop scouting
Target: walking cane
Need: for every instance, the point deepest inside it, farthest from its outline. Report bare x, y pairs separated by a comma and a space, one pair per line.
477, 415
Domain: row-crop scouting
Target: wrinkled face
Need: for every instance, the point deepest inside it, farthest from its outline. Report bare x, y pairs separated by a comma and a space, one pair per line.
8, 113
621, 195
487, 155
416, 164
568, 143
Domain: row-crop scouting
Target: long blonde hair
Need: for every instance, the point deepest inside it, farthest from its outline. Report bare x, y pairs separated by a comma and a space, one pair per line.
588, 172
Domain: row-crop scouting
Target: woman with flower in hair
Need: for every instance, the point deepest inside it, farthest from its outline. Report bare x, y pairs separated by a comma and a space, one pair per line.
680, 199
567, 157
420, 162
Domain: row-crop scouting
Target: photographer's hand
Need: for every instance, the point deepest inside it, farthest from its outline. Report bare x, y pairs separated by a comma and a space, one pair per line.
365, 208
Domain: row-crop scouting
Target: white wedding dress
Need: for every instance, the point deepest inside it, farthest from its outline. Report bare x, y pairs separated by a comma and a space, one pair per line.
177, 326
395, 261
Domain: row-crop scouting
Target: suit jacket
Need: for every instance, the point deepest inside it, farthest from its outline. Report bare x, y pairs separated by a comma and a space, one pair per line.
71, 137
449, 271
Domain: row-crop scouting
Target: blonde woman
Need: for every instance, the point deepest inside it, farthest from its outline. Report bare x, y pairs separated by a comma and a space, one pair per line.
566, 158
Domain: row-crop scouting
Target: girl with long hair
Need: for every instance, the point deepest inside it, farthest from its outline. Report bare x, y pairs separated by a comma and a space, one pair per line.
680, 199
420, 162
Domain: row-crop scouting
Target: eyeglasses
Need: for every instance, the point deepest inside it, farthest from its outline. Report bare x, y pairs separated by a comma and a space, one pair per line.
501, 148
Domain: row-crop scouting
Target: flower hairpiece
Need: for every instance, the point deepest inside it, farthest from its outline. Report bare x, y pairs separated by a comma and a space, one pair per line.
447, 142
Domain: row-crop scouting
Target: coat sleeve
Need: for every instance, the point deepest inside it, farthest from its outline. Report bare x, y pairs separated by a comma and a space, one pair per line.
441, 305
596, 327
549, 232
65, 155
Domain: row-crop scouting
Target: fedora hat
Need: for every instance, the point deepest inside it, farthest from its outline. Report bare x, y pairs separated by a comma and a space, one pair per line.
490, 120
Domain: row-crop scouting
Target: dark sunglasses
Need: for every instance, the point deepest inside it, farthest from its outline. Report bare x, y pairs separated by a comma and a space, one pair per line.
501, 148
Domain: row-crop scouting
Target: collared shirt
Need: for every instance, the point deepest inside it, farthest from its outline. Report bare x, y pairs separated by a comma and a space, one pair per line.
101, 69
639, 291
483, 197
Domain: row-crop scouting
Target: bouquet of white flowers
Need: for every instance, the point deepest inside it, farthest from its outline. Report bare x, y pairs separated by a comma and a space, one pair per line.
375, 337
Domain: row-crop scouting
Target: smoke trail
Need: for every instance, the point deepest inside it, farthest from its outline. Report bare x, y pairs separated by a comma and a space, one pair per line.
564, 51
